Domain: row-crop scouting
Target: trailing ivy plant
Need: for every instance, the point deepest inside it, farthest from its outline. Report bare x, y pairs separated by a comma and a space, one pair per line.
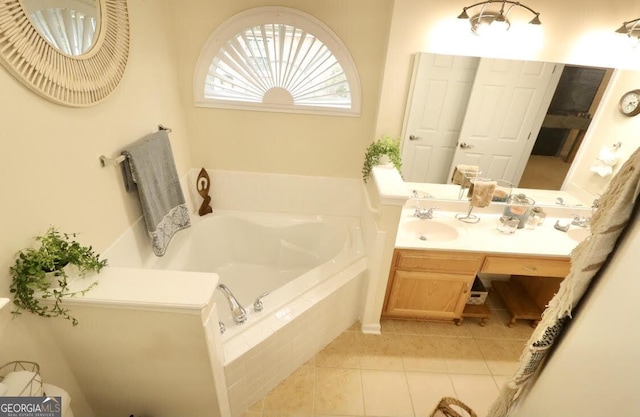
384, 146
40, 273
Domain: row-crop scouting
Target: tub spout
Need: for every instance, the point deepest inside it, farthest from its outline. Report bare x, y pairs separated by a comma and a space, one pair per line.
238, 312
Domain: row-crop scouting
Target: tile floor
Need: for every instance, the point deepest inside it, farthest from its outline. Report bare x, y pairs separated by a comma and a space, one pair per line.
404, 371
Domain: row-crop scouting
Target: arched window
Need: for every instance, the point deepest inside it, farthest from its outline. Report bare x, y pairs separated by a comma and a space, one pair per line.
277, 59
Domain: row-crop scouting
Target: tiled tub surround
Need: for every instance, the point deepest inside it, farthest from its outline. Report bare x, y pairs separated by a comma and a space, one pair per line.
304, 314
311, 328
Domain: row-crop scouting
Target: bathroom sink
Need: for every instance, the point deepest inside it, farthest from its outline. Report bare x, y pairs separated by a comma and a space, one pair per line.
430, 230
578, 233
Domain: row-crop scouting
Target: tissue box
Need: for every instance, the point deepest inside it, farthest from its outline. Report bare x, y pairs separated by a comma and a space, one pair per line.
478, 293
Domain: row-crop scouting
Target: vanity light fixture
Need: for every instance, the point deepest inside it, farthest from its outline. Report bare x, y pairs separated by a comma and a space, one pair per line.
630, 28
495, 19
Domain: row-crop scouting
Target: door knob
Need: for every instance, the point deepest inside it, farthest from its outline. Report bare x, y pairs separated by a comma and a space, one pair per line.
414, 137
464, 145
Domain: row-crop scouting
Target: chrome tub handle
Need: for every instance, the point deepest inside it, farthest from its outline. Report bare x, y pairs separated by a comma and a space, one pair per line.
257, 305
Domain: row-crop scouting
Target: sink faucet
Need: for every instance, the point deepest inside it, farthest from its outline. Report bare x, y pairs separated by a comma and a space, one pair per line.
422, 213
238, 312
416, 194
580, 221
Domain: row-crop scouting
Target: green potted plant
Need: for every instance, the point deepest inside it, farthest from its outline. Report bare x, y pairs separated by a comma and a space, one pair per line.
377, 150
45, 273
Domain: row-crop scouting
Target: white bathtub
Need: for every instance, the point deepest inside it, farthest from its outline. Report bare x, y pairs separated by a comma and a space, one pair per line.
253, 253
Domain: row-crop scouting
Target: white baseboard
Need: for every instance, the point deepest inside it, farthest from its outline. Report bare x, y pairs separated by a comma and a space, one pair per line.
373, 328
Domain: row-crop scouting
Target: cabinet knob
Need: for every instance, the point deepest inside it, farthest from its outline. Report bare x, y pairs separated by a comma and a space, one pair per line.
530, 268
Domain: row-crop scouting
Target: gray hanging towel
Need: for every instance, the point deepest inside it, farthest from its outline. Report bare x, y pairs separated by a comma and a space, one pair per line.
151, 170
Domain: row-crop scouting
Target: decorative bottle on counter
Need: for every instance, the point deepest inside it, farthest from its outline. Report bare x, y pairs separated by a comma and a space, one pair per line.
539, 213
532, 221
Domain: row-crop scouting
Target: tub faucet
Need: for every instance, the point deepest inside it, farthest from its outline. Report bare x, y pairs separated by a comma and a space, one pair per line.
238, 312
257, 305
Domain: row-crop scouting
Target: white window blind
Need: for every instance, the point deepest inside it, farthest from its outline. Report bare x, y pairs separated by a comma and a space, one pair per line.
277, 59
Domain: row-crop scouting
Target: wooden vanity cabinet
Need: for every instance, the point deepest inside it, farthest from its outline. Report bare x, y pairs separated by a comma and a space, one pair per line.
430, 284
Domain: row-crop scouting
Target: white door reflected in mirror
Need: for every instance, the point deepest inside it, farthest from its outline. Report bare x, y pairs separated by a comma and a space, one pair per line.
474, 111
439, 103
503, 114
440, 90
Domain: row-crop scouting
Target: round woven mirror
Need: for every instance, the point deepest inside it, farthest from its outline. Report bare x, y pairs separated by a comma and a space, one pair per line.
77, 75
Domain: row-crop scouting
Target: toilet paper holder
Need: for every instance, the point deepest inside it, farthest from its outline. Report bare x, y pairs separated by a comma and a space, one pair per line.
606, 160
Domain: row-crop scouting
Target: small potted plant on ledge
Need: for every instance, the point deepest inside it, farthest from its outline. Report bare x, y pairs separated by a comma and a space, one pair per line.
380, 152
46, 272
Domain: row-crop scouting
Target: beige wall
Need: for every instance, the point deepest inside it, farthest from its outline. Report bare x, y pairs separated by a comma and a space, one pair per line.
281, 142
51, 175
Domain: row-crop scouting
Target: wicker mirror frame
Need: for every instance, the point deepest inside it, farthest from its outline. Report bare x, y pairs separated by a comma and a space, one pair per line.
76, 81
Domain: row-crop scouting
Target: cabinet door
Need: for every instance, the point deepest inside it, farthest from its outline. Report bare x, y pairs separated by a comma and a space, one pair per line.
428, 295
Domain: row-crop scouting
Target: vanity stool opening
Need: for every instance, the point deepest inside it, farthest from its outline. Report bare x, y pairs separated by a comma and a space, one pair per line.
526, 297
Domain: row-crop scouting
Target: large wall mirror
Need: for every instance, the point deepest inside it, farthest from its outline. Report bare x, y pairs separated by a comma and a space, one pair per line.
519, 121
72, 52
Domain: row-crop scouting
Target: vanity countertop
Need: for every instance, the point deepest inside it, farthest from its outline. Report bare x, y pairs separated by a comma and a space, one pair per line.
483, 236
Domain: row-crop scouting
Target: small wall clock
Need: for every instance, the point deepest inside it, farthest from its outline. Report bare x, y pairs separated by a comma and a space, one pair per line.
630, 103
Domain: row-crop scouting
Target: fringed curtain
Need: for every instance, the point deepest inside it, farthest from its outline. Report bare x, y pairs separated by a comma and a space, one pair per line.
607, 223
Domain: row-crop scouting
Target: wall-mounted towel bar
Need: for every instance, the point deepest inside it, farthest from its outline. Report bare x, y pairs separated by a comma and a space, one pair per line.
106, 161
111, 161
